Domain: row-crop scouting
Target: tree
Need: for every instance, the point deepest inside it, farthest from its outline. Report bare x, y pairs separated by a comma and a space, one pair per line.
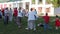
56, 3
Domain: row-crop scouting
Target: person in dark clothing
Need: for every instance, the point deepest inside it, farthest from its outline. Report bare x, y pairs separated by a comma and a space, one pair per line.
40, 25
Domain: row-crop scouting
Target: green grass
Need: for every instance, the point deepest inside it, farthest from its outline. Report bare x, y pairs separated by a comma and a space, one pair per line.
12, 28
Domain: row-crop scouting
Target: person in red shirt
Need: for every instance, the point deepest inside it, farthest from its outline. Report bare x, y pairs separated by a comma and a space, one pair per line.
46, 21
15, 14
57, 24
3, 12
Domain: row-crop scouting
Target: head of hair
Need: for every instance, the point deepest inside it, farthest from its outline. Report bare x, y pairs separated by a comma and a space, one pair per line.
6, 8
20, 8
31, 9
56, 16
10, 8
15, 8
0, 9
35, 9
46, 14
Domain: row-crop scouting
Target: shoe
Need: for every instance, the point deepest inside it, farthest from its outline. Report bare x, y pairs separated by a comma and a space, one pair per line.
34, 29
26, 28
38, 25
19, 26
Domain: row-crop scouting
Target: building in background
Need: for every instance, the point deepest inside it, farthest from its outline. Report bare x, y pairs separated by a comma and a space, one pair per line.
42, 6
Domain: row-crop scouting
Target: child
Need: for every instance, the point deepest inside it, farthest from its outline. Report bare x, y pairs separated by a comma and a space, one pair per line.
15, 14
19, 17
57, 24
10, 15
31, 20
46, 21
6, 16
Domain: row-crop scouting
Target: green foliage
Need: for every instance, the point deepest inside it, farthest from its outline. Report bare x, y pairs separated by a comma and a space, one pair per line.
56, 3
48, 1
33, 1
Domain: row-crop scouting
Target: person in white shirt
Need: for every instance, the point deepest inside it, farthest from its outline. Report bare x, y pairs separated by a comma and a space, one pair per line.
6, 16
24, 12
19, 17
10, 15
31, 19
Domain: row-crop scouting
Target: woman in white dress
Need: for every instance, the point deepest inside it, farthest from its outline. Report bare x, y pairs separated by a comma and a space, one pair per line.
10, 14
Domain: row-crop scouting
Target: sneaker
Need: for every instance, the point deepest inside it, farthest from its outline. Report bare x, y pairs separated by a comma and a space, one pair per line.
34, 29
26, 28
38, 25
19, 26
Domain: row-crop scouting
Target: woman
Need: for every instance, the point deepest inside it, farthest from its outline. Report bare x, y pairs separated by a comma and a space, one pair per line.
10, 14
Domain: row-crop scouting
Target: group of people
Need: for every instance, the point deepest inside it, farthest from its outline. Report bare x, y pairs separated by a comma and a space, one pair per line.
47, 20
8, 15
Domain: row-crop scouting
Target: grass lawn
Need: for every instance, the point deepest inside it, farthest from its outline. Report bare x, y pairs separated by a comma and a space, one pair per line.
12, 28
